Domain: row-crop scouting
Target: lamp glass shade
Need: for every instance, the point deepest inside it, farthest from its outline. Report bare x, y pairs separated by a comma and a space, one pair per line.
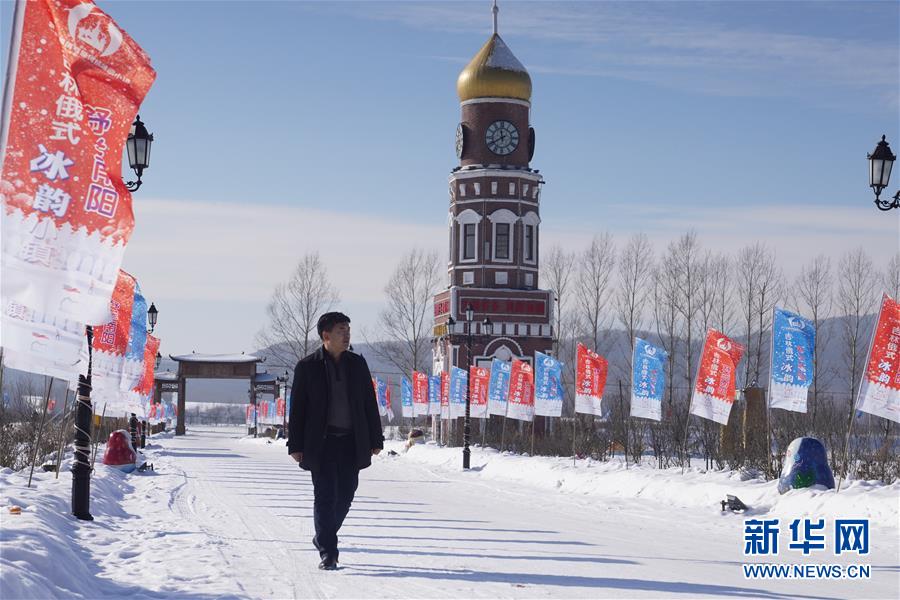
470, 313
487, 326
881, 161
152, 315
138, 146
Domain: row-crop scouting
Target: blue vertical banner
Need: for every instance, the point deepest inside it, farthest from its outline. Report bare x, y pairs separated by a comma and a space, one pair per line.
434, 395
548, 388
648, 380
380, 394
498, 388
133, 368
406, 398
791, 367
459, 387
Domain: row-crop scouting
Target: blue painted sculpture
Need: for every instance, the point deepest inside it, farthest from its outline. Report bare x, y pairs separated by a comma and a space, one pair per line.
805, 464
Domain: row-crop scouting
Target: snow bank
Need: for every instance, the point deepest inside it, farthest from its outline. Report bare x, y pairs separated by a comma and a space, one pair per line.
694, 488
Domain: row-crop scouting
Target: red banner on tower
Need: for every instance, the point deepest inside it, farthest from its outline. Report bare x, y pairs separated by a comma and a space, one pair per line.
420, 393
445, 395
478, 389
521, 391
714, 391
879, 389
590, 381
78, 80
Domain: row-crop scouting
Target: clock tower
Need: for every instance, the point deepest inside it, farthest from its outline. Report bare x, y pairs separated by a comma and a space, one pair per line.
493, 219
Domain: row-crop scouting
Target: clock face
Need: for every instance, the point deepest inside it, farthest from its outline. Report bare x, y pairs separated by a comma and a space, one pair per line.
460, 140
502, 137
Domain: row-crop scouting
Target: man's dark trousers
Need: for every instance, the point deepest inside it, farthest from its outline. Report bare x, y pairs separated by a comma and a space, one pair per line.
334, 484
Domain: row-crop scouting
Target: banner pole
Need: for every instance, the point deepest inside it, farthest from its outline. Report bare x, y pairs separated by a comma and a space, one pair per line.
62, 432
9, 83
502, 434
625, 424
37, 441
769, 454
533, 419
97, 437
574, 434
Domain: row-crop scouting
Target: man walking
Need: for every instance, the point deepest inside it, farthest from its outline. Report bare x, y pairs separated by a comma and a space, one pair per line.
334, 428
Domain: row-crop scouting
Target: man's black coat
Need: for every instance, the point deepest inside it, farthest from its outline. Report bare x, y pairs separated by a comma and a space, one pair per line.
309, 408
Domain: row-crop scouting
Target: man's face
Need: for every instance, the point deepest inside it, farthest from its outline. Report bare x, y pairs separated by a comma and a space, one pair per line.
338, 338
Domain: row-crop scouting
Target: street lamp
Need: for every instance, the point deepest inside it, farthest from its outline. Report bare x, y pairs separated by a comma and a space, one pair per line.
880, 163
152, 315
487, 329
138, 146
158, 360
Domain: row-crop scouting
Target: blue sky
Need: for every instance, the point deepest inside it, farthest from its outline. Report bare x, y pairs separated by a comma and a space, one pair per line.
278, 122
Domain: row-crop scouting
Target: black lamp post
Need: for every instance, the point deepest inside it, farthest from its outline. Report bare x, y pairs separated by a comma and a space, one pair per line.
138, 146
152, 315
880, 163
486, 329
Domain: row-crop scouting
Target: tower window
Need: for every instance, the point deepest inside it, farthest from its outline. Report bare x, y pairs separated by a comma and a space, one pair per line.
534, 193
525, 189
494, 188
529, 242
477, 187
501, 278
462, 189
501, 250
469, 241
512, 189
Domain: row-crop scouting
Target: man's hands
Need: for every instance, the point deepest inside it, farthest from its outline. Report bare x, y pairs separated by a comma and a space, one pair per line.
298, 456
375, 451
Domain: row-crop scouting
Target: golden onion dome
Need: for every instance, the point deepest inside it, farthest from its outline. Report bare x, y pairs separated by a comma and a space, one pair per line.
494, 73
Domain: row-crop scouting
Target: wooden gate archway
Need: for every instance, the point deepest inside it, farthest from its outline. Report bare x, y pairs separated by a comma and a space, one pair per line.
213, 366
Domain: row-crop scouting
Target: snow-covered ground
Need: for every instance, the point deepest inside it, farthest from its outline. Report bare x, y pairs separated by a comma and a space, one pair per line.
226, 516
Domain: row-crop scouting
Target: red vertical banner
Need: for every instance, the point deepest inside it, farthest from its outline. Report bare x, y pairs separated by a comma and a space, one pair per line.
590, 381
715, 386
110, 341
478, 389
879, 388
78, 81
445, 395
521, 391
420, 393
147, 379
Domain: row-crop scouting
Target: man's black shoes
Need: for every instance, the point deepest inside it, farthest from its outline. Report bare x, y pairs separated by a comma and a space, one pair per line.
329, 563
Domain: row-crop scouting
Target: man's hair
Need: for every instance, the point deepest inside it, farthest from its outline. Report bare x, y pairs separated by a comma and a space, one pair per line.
329, 320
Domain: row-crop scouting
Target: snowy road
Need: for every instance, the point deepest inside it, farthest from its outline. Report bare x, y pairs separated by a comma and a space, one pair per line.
226, 517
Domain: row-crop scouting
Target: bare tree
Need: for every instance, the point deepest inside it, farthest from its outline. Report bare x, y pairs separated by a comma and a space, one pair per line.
635, 276
813, 296
759, 284
665, 312
405, 323
687, 263
771, 290
558, 275
856, 298
719, 279
294, 310
594, 277
890, 280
